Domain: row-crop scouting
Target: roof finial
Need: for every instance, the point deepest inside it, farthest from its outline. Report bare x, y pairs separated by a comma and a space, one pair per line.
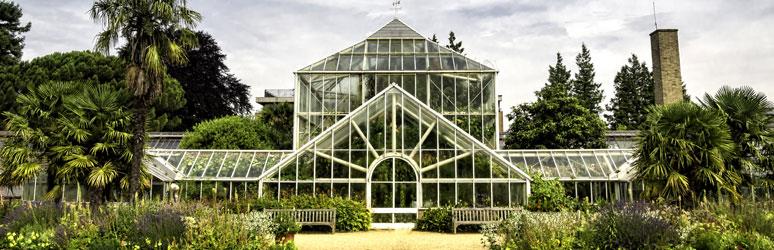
396, 7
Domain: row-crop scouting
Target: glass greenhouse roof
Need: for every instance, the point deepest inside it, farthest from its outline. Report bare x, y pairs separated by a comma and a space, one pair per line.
396, 47
573, 164
215, 165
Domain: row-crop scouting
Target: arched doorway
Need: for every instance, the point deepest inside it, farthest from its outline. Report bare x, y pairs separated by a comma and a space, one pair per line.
393, 192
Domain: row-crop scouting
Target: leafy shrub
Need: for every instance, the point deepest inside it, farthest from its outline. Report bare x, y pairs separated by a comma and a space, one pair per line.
547, 195
531, 230
630, 226
44, 215
351, 215
436, 219
160, 227
231, 132
285, 224
33, 236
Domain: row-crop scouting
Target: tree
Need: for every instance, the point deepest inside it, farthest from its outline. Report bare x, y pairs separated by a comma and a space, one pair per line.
11, 30
583, 87
231, 132
210, 90
453, 44
748, 115
633, 94
157, 33
271, 128
74, 132
556, 119
277, 125
434, 39
91, 68
682, 151
558, 80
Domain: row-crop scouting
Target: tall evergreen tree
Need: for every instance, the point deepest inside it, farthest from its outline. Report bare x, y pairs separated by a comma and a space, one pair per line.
558, 84
210, 90
453, 44
583, 87
633, 94
434, 39
556, 120
11, 30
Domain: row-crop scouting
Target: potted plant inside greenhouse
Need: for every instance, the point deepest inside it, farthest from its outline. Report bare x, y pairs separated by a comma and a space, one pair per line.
286, 228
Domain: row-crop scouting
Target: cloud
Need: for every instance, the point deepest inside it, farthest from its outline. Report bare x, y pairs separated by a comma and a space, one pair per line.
722, 42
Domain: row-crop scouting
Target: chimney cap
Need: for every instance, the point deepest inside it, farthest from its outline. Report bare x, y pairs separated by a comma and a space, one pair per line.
663, 30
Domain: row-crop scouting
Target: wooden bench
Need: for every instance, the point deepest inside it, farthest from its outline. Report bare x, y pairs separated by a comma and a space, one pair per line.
479, 216
308, 217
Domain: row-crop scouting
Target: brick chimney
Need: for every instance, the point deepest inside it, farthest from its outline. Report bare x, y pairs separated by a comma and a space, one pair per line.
668, 85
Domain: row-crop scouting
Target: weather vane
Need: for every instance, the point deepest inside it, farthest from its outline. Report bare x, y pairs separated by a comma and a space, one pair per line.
396, 7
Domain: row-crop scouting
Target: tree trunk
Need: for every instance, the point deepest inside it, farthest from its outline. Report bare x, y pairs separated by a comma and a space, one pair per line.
138, 146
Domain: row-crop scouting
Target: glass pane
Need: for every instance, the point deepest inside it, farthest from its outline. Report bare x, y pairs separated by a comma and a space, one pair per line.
483, 195
429, 194
395, 46
381, 195
228, 165
500, 191
405, 195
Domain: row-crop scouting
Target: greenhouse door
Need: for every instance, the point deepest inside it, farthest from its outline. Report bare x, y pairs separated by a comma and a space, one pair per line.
393, 194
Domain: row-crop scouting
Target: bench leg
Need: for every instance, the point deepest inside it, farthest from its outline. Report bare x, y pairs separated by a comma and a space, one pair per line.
454, 228
333, 228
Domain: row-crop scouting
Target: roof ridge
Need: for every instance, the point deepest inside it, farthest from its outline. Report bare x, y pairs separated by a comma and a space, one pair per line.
396, 29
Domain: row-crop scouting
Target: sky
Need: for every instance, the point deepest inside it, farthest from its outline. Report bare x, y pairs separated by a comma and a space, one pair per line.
265, 41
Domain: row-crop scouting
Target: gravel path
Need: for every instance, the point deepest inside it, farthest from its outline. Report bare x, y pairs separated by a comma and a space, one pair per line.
388, 239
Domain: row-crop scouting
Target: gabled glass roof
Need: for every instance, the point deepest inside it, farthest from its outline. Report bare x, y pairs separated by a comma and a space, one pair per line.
388, 115
396, 47
215, 165
574, 164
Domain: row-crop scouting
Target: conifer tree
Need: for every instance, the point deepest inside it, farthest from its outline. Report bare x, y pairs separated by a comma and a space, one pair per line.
633, 94
453, 44
583, 86
558, 80
556, 120
11, 30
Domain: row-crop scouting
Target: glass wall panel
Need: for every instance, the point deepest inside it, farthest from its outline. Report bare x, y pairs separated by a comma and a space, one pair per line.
500, 196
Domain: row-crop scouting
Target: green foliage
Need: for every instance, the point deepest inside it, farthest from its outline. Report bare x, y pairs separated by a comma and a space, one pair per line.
351, 215
633, 94
75, 132
748, 116
90, 68
556, 119
210, 89
142, 226
30, 237
622, 226
232, 132
583, 87
11, 32
547, 195
285, 224
682, 153
157, 33
435, 219
276, 128
529, 230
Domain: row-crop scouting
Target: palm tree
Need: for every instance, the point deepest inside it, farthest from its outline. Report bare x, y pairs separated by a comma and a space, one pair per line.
748, 115
74, 132
682, 151
100, 153
157, 32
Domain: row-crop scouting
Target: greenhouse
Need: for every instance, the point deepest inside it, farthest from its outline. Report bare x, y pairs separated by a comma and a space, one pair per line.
395, 121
